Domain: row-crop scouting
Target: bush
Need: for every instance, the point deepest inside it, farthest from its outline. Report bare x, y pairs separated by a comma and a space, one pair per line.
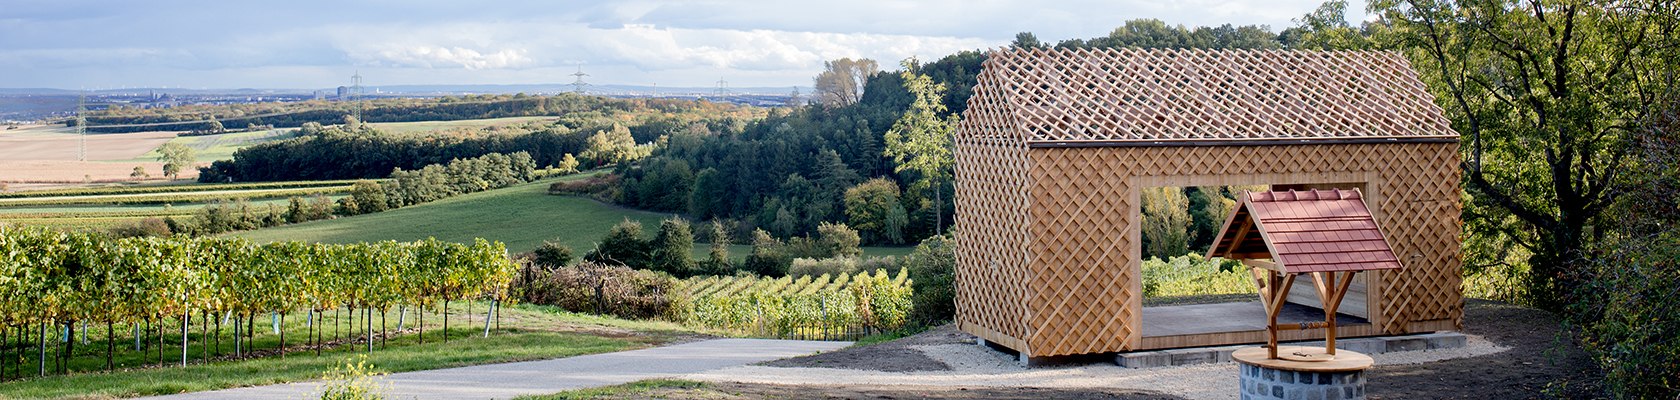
592, 287
1629, 318
352, 381
153, 227
768, 257
552, 255
814, 267
932, 268
623, 245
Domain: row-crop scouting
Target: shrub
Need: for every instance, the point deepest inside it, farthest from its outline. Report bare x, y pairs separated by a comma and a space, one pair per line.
351, 381
623, 245
601, 288
551, 255
932, 268
768, 256
154, 227
814, 267
1629, 318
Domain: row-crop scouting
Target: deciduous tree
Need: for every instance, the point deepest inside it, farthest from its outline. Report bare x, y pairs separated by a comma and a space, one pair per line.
175, 157
921, 140
1545, 94
841, 82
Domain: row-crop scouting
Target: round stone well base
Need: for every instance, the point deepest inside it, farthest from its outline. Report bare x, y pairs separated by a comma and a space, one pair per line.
1341, 377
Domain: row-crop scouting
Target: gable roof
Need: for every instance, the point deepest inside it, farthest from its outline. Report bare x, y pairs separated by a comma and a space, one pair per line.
1307, 231
1083, 96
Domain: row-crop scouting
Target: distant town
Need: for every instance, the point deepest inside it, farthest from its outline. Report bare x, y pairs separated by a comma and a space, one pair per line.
32, 105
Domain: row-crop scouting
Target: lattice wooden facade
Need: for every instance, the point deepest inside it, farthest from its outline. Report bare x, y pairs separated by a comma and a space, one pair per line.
1057, 145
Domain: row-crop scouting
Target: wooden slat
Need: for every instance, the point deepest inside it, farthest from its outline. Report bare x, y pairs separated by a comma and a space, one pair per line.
1047, 238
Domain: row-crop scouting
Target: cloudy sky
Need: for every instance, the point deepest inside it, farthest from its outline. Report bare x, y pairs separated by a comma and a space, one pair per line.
317, 44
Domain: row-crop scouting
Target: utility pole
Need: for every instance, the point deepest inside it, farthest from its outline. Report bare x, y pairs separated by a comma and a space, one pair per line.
578, 84
722, 89
81, 126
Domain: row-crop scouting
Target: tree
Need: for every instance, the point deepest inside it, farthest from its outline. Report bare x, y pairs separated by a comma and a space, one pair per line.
717, 260
841, 82
567, 164
623, 245
768, 257
1166, 222
1545, 95
1026, 40
869, 208
837, 240
1325, 28
139, 173
610, 146
175, 156
672, 248
710, 196
368, 196
921, 140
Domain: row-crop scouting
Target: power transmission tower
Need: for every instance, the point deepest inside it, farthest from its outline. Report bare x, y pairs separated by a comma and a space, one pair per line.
356, 93
722, 88
579, 84
81, 126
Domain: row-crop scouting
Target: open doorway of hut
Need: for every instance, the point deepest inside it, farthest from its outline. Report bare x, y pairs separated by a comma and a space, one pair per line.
1190, 300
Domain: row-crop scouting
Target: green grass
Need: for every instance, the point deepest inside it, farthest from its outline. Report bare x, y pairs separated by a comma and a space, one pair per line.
526, 333
637, 389
522, 216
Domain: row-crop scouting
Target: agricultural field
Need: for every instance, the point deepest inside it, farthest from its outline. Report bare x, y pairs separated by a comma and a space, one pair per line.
208, 148
522, 216
47, 155
104, 208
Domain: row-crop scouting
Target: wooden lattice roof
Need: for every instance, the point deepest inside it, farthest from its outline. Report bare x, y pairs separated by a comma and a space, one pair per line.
1305, 231
1120, 96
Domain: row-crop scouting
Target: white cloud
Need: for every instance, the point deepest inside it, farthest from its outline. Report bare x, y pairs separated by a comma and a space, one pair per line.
439, 56
73, 43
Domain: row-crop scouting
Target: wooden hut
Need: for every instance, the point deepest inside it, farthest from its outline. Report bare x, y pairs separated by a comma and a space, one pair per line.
1056, 146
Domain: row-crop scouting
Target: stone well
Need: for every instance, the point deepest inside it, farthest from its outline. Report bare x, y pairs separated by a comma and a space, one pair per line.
1341, 378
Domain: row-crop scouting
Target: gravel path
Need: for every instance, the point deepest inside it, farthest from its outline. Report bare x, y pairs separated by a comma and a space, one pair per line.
969, 365
501, 381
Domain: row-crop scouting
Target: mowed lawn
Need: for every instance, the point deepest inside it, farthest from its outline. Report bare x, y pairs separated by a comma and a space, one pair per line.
522, 216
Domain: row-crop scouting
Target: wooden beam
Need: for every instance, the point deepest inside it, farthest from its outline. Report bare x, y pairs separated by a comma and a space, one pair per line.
1242, 233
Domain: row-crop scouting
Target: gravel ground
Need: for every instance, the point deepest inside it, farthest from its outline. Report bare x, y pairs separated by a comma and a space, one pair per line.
1505, 357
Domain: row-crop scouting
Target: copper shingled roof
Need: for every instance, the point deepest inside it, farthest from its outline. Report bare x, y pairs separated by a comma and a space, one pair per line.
1125, 95
1306, 231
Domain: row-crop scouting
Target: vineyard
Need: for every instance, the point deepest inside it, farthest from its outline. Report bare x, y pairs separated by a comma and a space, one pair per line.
839, 307
54, 283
